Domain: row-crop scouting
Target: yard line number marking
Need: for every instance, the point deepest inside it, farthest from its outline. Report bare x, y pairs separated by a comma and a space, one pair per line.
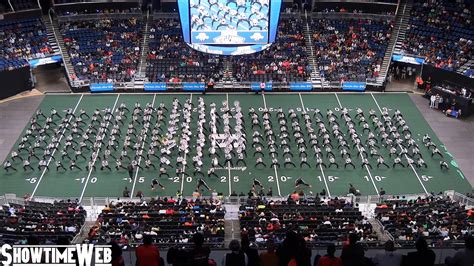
97, 154
55, 149
320, 167
143, 145
412, 168
360, 153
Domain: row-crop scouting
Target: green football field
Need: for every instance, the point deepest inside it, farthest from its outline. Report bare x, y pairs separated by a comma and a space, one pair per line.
96, 183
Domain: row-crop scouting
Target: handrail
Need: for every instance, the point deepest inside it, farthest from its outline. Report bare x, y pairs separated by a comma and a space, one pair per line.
59, 46
66, 18
331, 15
396, 38
145, 39
11, 6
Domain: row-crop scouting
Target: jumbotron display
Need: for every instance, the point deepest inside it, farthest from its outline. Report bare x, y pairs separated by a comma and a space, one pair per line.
229, 27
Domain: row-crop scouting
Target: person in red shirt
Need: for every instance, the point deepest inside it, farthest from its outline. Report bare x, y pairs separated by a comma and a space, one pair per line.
147, 254
329, 259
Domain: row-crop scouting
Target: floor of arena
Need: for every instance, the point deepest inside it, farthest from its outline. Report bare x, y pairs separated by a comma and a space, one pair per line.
105, 183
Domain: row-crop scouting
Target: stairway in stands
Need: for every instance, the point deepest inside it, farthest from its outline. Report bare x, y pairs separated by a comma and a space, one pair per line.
232, 223
83, 233
398, 32
468, 65
60, 44
228, 70
50, 34
141, 75
315, 77
404, 10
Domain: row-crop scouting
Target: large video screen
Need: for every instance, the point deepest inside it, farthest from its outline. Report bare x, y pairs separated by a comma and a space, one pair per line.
229, 27
229, 21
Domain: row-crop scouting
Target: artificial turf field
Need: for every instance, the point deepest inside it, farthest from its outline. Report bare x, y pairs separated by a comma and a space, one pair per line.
83, 184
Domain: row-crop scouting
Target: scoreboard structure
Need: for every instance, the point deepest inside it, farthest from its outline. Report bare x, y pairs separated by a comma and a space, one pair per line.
229, 27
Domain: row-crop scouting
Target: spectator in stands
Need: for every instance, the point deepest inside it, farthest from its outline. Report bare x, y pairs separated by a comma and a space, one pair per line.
177, 256
117, 259
329, 259
353, 253
147, 254
465, 257
422, 256
289, 249
199, 255
304, 254
389, 257
269, 258
251, 252
236, 257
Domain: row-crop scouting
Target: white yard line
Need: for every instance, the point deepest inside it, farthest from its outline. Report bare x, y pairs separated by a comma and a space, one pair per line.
360, 153
406, 156
274, 167
184, 159
140, 159
228, 163
97, 154
55, 149
320, 166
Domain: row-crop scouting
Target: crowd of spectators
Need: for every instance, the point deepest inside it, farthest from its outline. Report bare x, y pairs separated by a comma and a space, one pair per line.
167, 220
436, 219
285, 60
350, 49
352, 10
318, 221
101, 11
22, 40
105, 49
171, 60
440, 31
45, 221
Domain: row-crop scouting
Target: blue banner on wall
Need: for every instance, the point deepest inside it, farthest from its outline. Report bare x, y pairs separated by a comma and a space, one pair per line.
408, 59
353, 86
44, 61
256, 86
102, 87
189, 86
155, 87
301, 86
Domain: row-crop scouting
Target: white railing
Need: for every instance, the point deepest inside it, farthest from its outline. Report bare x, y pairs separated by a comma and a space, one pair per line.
463, 199
145, 40
11, 6
59, 46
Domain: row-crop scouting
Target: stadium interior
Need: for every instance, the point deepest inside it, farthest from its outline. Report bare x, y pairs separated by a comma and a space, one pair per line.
240, 132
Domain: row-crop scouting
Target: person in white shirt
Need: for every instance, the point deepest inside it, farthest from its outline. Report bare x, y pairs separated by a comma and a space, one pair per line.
432, 101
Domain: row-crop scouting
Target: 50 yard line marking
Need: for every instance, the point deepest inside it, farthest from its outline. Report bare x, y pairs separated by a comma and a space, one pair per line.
140, 159
97, 154
56, 148
406, 157
360, 153
274, 167
228, 163
184, 158
320, 167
